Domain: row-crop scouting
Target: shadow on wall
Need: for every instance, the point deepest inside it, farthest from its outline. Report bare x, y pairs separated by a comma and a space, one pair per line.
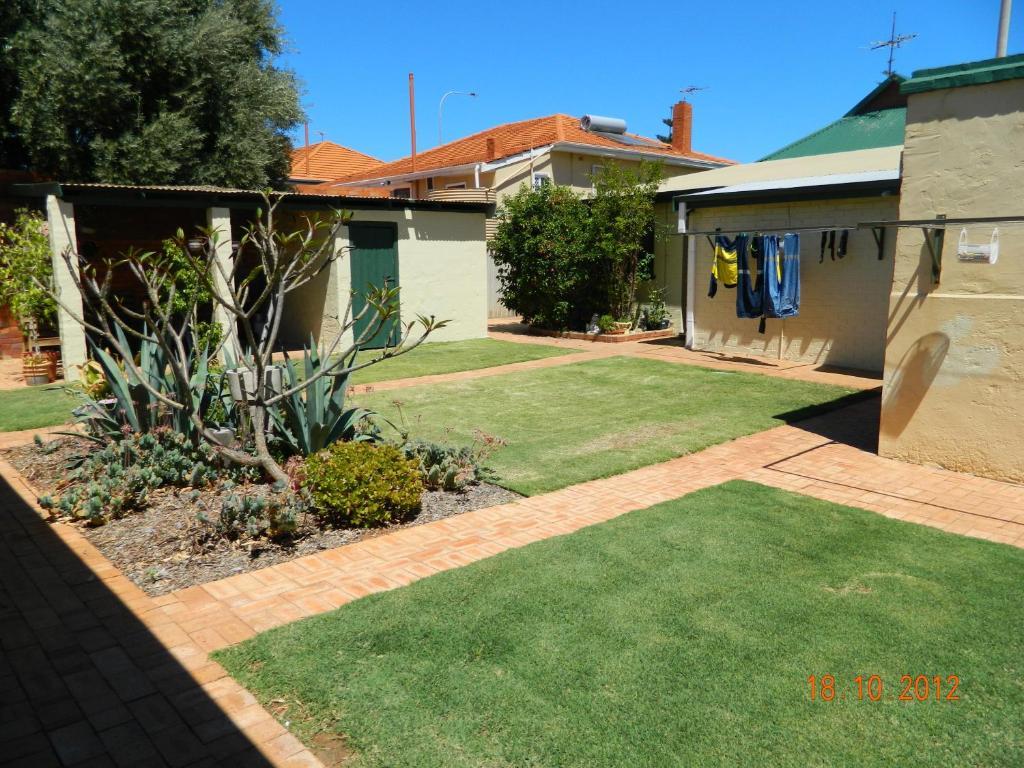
911, 379
83, 679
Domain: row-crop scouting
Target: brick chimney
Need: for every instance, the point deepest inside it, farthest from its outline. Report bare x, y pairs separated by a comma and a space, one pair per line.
494, 147
682, 126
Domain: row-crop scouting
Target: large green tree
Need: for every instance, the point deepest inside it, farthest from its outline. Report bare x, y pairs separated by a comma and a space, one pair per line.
153, 92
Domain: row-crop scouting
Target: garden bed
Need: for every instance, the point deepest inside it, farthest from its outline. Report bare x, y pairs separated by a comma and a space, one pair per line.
164, 547
612, 338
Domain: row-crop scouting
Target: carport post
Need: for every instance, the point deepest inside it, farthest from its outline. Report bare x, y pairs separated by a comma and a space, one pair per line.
219, 220
60, 219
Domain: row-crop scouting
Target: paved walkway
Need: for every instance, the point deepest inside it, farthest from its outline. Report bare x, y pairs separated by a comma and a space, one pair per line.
85, 680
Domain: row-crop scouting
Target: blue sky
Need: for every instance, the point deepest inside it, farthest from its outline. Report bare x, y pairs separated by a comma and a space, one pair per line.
774, 71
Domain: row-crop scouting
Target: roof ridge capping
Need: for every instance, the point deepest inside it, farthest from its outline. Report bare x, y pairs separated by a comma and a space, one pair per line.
966, 73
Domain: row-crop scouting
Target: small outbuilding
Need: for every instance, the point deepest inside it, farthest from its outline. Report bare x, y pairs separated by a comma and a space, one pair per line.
433, 250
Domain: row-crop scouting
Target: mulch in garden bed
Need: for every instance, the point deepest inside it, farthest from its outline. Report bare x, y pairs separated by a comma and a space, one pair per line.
164, 547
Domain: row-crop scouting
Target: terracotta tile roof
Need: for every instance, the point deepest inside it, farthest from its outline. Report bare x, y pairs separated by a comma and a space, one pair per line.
332, 188
326, 160
512, 138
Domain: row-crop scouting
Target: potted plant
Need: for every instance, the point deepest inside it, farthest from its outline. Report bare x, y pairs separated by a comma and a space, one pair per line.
35, 368
607, 324
657, 316
623, 325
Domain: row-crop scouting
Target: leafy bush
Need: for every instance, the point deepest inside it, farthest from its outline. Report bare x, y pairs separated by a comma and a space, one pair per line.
25, 258
451, 468
542, 251
606, 323
359, 484
562, 258
115, 480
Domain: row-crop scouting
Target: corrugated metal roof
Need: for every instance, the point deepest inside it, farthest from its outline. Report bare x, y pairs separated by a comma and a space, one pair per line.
873, 129
883, 159
968, 73
824, 180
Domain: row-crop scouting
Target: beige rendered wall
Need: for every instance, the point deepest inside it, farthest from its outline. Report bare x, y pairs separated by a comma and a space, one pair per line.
954, 364
843, 303
442, 269
669, 263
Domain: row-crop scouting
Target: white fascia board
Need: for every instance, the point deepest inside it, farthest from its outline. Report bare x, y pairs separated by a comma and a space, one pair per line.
626, 154
531, 154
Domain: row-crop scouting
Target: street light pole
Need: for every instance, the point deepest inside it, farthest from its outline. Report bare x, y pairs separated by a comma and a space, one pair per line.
440, 109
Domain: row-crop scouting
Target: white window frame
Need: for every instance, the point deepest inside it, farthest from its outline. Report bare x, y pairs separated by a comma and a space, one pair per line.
594, 170
540, 179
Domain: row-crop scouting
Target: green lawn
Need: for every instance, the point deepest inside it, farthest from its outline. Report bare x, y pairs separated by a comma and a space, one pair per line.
682, 634
35, 407
451, 356
586, 420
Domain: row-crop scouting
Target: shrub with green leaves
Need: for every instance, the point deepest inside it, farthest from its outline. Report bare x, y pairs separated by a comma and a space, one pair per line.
363, 485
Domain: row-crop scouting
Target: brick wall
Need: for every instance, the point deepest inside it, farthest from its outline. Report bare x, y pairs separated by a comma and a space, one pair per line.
10, 335
844, 304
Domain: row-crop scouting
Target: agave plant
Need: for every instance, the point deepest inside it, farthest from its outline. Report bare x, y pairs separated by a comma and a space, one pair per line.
312, 419
135, 406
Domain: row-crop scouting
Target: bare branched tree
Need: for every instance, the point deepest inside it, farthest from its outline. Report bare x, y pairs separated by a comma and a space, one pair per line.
252, 290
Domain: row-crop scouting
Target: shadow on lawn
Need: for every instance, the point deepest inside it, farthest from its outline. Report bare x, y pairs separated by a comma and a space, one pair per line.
851, 420
82, 679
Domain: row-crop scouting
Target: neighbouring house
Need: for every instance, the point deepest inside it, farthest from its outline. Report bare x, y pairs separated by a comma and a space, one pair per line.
837, 177
316, 168
435, 250
954, 361
557, 149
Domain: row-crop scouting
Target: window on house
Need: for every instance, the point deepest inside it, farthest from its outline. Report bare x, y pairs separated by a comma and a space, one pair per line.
540, 179
595, 170
458, 185
402, 193
430, 184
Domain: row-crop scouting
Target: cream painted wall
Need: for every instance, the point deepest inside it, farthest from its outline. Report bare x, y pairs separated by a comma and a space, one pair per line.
954, 366
670, 264
442, 270
843, 304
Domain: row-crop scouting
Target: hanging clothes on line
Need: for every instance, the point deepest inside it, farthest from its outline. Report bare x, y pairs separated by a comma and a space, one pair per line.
828, 240
723, 265
775, 291
749, 282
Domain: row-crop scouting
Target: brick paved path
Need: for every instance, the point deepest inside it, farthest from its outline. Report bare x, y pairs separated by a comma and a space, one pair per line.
87, 677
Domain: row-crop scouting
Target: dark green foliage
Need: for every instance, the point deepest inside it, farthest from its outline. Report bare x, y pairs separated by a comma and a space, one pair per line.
606, 323
544, 257
116, 479
363, 485
149, 91
562, 258
447, 467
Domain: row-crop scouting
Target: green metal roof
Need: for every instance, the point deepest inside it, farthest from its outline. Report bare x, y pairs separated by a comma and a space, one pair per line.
970, 73
868, 131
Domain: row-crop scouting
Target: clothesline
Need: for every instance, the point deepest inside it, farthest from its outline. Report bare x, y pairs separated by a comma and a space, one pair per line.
766, 229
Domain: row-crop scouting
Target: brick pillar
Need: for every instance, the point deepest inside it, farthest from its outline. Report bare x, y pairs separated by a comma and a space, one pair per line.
60, 218
682, 126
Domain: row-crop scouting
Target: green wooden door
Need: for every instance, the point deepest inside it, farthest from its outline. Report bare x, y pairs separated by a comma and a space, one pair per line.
374, 257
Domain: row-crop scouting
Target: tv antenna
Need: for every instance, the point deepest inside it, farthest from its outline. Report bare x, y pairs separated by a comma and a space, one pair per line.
895, 41
691, 89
